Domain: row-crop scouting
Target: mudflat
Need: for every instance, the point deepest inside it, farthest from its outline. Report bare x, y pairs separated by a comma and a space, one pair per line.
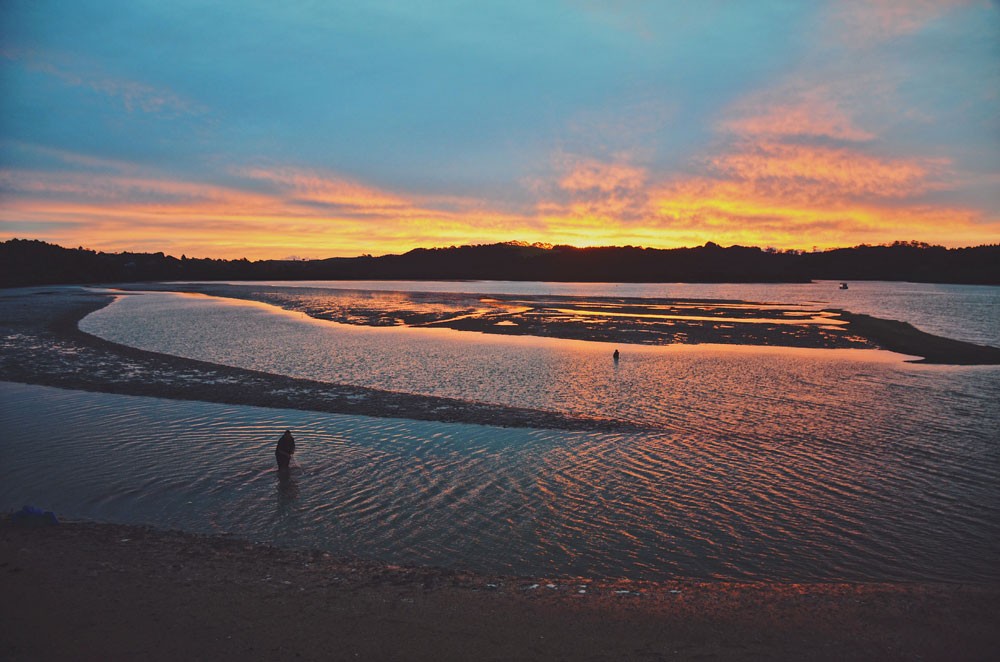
613, 319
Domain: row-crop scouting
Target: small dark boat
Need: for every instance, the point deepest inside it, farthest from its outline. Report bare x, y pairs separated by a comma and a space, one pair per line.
843, 286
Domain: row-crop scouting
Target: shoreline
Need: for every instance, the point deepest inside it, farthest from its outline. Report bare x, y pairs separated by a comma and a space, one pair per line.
122, 591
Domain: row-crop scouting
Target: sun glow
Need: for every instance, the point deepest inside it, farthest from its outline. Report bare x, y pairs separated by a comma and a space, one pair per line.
772, 198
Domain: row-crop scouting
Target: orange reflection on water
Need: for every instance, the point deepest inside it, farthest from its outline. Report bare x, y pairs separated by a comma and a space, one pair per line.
820, 317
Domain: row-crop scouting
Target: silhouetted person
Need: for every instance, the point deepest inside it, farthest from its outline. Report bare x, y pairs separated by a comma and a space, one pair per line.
283, 453
616, 356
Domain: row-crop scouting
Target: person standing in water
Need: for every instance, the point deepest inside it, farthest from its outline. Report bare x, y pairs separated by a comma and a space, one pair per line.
616, 356
283, 453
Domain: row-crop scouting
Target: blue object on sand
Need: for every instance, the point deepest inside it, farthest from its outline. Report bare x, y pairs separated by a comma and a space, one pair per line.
30, 516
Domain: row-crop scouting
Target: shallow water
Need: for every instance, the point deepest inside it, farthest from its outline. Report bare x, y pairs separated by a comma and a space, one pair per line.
790, 465
654, 506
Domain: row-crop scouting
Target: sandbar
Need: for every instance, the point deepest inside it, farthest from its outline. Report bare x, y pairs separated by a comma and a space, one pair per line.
904, 338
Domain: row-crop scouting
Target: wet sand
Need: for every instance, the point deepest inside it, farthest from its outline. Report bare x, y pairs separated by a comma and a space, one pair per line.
87, 591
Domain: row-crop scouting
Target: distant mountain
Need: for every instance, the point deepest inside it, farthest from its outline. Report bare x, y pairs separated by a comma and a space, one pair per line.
31, 262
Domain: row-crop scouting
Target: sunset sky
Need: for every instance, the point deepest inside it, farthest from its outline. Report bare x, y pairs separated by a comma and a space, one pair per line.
316, 129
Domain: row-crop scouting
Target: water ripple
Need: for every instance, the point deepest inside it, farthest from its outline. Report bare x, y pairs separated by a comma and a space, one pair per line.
793, 466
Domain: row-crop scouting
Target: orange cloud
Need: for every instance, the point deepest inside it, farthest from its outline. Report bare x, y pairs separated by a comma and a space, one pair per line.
326, 189
863, 22
593, 175
745, 213
785, 194
764, 192
828, 173
800, 107
794, 167
584, 187
805, 117
146, 191
293, 211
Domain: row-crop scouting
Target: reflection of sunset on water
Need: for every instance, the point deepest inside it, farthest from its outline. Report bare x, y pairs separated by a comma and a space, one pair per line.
544, 372
632, 321
818, 317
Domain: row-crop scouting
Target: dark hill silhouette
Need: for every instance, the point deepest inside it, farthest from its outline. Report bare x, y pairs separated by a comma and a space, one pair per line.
32, 262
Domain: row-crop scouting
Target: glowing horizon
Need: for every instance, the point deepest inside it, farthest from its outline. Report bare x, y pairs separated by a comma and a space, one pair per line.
340, 132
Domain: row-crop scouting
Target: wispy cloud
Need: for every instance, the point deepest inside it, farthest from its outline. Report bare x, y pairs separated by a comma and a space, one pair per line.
779, 200
865, 22
822, 174
133, 95
808, 111
591, 175
804, 161
296, 210
791, 173
740, 210
326, 189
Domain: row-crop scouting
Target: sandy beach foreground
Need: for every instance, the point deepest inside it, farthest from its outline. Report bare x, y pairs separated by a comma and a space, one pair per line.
88, 591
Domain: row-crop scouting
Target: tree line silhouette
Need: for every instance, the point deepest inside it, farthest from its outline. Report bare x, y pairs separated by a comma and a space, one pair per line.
33, 262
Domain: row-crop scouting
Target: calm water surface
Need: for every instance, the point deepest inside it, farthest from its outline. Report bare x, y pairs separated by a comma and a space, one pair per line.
763, 464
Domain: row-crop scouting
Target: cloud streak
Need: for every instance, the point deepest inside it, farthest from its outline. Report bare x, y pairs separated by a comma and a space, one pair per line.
298, 210
133, 95
865, 22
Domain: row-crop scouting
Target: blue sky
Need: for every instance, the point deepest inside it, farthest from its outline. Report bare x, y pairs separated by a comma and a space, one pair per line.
325, 128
